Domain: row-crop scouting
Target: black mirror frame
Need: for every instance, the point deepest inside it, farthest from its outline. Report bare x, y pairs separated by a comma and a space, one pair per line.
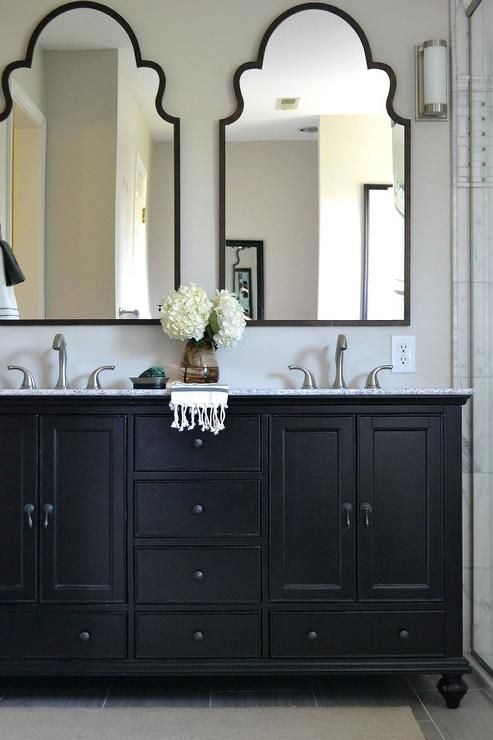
405, 122
140, 62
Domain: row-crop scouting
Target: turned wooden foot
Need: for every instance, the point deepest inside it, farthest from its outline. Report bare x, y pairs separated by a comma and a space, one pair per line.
452, 688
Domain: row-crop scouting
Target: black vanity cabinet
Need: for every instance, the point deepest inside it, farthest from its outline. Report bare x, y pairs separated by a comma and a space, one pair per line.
317, 534
62, 521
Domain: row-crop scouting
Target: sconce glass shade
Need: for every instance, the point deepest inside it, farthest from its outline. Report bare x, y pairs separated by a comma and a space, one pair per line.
431, 80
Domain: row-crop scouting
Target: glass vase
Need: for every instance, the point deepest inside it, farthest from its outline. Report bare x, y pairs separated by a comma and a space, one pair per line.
199, 363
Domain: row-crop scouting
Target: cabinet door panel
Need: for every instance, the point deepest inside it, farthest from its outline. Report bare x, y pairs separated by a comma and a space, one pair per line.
83, 479
18, 466
400, 541
312, 534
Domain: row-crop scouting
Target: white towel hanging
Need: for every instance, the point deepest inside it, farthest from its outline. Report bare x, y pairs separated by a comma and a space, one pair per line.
198, 405
8, 302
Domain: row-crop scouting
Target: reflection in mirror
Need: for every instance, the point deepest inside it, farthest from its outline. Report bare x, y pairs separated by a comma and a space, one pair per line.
91, 166
312, 126
245, 275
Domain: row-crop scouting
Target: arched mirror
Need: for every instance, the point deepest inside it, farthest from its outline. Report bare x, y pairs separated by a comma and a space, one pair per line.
315, 167
90, 163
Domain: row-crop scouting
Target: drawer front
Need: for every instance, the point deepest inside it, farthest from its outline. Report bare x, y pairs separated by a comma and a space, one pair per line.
197, 575
68, 635
160, 448
363, 634
197, 509
197, 635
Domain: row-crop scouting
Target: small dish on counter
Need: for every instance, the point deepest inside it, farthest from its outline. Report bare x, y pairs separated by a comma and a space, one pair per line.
153, 383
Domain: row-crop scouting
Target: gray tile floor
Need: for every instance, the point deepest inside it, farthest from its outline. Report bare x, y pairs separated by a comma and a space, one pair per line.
472, 721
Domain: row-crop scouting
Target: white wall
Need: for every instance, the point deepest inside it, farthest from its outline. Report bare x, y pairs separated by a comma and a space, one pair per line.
133, 141
347, 161
199, 45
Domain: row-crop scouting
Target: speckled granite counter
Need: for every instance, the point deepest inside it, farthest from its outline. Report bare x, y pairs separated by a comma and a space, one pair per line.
353, 392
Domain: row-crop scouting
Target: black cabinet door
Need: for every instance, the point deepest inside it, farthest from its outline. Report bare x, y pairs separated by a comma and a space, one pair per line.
18, 507
400, 508
312, 556
82, 509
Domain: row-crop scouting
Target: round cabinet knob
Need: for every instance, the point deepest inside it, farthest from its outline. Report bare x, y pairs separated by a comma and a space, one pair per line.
85, 636
198, 443
311, 635
198, 509
403, 635
198, 635
197, 575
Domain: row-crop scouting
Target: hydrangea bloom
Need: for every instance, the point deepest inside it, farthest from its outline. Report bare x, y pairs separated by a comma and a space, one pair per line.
230, 319
185, 313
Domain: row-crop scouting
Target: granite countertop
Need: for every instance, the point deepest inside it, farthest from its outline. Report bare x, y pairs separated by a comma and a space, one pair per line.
130, 392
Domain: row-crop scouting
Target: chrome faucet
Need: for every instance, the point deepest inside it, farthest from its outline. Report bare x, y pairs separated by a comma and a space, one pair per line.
60, 345
308, 379
340, 348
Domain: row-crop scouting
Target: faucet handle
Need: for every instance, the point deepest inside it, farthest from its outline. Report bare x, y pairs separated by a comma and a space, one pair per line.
308, 380
94, 384
27, 379
372, 379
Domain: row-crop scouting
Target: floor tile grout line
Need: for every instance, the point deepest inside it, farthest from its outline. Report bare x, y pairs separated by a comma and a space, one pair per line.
314, 695
110, 686
426, 709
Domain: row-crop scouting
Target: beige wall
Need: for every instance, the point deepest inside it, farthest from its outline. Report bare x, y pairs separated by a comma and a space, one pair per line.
200, 45
273, 196
160, 224
81, 109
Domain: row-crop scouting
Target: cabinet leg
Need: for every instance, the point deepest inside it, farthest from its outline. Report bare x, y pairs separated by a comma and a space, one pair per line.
452, 688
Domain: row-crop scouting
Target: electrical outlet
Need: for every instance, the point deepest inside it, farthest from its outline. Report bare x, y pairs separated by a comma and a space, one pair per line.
404, 354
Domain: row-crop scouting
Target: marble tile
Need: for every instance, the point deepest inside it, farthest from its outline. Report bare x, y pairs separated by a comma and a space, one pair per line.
466, 609
428, 681
430, 730
483, 611
482, 521
466, 520
260, 683
482, 421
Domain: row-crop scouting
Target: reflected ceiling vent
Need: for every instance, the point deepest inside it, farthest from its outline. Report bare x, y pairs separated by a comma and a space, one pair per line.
309, 130
287, 103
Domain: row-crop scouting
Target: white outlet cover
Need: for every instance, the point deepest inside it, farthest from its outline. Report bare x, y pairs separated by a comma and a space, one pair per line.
403, 357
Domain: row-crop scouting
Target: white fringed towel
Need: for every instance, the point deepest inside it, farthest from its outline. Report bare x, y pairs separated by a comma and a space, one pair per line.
199, 405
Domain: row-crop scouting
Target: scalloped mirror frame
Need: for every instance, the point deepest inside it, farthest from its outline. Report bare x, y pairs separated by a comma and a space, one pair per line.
405, 122
140, 62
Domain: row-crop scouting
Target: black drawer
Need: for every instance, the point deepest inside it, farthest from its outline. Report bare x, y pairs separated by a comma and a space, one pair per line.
197, 575
365, 634
196, 635
197, 509
68, 635
160, 448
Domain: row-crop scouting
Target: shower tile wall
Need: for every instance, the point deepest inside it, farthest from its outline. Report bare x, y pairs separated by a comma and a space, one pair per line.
481, 267
461, 285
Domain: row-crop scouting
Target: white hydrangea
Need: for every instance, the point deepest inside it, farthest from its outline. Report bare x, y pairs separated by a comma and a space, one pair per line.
230, 319
185, 313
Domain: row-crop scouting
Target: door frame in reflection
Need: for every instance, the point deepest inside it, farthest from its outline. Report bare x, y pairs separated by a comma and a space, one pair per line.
256, 299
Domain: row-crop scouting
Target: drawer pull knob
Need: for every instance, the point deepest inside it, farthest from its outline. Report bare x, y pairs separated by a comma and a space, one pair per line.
403, 635
311, 635
198, 443
198, 509
197, 575
198, 635
85, 636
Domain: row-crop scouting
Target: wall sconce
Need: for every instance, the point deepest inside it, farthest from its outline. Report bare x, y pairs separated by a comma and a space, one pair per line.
431, 81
